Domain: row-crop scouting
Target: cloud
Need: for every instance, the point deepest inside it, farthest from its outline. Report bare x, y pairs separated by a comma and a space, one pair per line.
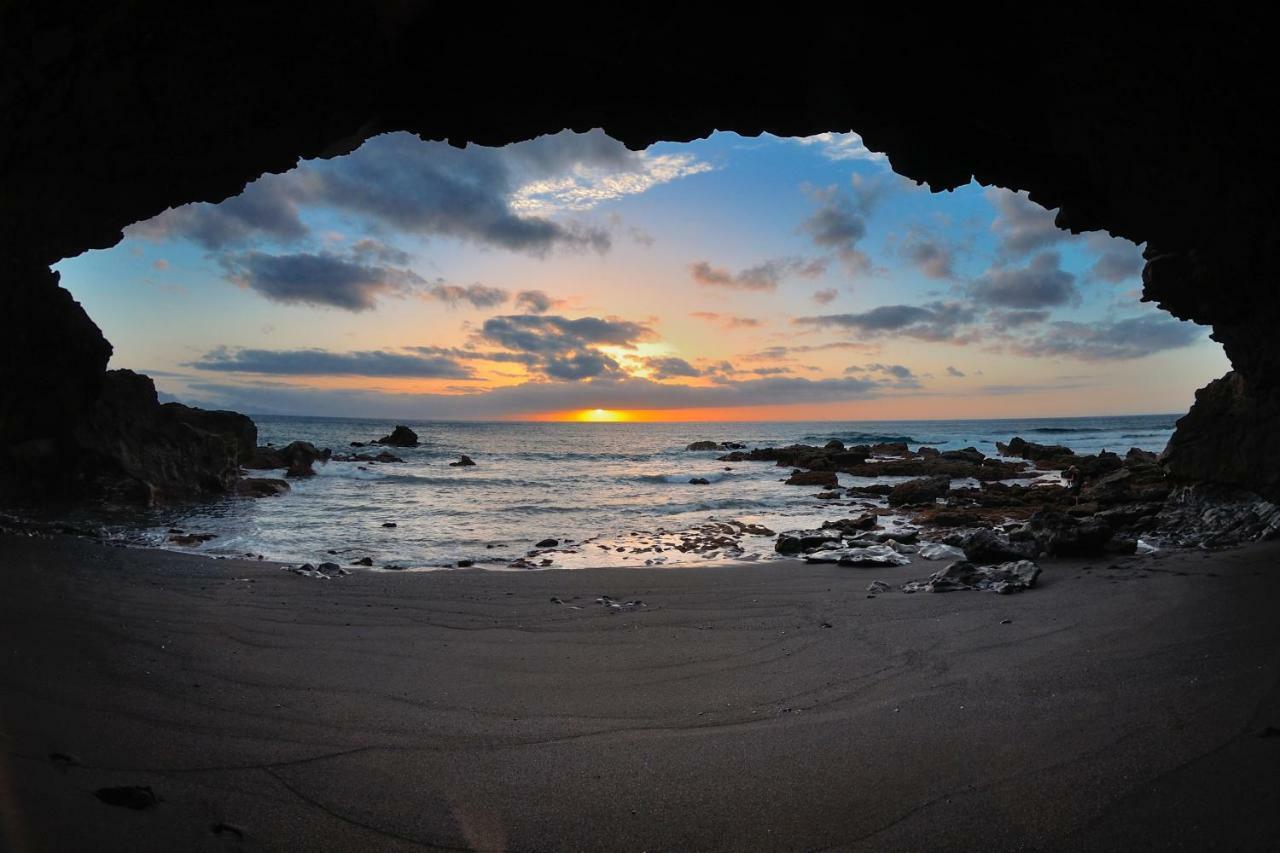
901, 375
1117, 260
825, 297
762, 276
927, 253
840, 221
266, 210
1005, 320
536, 301
1021, 226
323, 278
543, 396
319, 362
1111, 340
479, 295
1042, 283
669, 367
934, 321
561, 348
505, 197
780, 353
727, 321
954, 371
841, 146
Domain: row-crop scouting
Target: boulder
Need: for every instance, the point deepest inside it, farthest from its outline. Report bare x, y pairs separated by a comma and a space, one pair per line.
699, 481
1061, 535
922, 491
987, 546
1051, 453
548, 543
835, 445
1004, 578
968, 454
813, 478
871, 555
703, 445
401, 436
866, 521
464, 461
261, 487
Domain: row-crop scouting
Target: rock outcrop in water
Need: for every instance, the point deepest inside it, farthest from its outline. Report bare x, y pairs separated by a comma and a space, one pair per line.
131, 449
401, 436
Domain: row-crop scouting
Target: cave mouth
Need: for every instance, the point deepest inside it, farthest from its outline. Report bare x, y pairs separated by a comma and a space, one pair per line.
713, 285
445, 280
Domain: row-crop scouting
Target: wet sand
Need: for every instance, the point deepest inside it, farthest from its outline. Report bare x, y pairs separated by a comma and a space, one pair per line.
752, 707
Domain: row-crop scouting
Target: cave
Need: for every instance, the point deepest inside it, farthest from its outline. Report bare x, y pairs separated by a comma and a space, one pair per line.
1145, 132
1149, 127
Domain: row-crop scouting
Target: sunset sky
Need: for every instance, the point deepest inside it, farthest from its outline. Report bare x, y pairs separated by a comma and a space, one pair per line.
725, 279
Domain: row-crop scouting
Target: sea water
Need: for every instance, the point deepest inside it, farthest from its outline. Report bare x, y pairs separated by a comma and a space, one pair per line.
598, 487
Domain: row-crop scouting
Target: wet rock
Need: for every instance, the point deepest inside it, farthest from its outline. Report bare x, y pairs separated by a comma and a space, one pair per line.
300, 454
699, 481
466, 564
891, 448
363, 561
877, 587
866, 521
928, 452
300, 469
357, 444
1061, 535
190, 539
812, 478
548, 543
703, 445
388, 524
1004, 578
1213, 516
987, 546
940, 551
968, 454
828, 496
401, 436
464, 461
871, 555
1052, 453
922, 491
261, 487
835, 445
876, 491
796, 541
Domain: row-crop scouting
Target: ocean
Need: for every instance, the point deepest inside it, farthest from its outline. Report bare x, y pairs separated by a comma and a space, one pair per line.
610, 493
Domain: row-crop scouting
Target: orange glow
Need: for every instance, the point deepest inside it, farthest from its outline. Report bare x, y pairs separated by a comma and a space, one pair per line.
598, 416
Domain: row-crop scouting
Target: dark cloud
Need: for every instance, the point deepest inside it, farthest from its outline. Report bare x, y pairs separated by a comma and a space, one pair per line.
1112, 340
1021, 226
825, 297
840, 221
954, 371
1117, 260
318, 279
934, 321
669, 367
781, 353
479, 295
1004, 320
266, 210
561, 348
318, 362
1042, 283
927, 253
536, 302
899, 374
397, 181
762, 276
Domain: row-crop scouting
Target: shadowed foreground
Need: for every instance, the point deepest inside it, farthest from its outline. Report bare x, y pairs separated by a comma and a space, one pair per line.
1119, 709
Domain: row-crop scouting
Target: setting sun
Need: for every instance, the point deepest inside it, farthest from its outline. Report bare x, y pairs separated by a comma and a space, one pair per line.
601, 415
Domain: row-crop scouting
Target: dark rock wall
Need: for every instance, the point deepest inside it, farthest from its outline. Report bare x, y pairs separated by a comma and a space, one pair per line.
1146, 126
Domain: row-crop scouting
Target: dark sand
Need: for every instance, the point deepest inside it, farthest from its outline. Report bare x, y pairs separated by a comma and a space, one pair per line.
1119, 710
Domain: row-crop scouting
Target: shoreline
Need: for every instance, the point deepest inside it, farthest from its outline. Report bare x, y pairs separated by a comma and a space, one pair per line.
749, 706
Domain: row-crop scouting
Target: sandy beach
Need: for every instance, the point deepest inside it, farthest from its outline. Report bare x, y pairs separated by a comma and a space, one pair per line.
1122, 704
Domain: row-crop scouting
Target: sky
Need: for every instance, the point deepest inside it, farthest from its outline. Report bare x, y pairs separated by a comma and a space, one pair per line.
567, 278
